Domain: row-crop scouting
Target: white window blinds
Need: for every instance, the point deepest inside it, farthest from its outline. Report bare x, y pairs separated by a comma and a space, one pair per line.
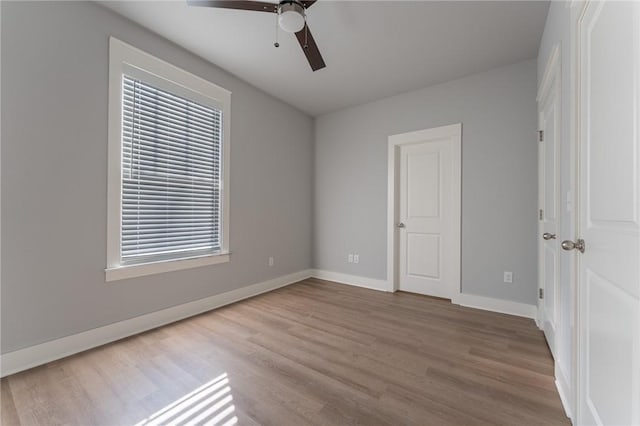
171, 169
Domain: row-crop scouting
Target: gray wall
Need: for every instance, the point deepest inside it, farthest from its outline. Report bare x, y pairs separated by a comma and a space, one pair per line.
558, 30
54, 178
499, 184
54, 169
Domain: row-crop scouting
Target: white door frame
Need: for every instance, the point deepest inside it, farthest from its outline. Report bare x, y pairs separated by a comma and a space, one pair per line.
552, 81
454, 132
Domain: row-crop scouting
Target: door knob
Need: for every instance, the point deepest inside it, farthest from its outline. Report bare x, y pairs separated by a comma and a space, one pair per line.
401, 225
569, 245
547, 236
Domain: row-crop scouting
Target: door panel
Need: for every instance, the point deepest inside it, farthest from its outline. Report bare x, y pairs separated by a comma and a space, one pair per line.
611, 105
550, 285
423, 180
549, 250
602, 296
609, 221
426, 211
423, 251
550, 149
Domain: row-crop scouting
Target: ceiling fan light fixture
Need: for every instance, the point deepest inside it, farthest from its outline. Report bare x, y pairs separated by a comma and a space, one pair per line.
291, 17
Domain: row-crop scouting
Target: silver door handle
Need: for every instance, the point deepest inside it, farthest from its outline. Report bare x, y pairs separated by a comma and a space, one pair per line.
401, 225
547, 236
569, 245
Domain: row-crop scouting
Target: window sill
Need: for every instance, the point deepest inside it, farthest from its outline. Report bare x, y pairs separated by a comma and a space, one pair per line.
142, 269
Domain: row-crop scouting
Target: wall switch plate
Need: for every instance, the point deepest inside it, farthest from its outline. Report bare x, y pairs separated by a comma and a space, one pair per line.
350, 258
356, 258
508, 277
271, 261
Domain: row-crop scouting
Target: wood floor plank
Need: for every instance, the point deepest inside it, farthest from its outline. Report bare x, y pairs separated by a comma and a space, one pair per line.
313, 353
8, 413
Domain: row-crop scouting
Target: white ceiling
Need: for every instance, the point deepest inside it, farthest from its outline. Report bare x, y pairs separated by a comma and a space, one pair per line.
372, 49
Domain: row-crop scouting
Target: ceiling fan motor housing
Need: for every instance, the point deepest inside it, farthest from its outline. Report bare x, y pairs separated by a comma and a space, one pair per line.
291, 16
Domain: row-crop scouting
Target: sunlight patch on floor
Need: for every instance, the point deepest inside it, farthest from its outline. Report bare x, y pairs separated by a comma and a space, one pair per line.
210, 404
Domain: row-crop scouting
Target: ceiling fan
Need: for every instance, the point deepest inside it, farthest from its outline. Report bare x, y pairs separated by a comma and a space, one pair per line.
291, 18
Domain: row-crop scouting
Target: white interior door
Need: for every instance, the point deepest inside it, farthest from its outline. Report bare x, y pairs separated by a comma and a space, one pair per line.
609, 214
549, 184
429, 218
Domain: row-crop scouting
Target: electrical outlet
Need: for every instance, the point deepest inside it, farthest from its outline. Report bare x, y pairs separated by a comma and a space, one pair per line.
356, 258
508, 277
350, 258
271, 263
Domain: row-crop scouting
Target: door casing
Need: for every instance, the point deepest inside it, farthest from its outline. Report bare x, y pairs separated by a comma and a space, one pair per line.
564, 289
454, 133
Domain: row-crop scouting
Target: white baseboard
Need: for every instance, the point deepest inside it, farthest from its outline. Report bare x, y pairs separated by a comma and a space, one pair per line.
497, 305
563, 399
464, 299
563, 391
355, 280
22, 359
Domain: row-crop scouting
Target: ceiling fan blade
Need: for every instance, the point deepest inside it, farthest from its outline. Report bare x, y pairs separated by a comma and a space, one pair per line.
310, 49
308, 3
257, 6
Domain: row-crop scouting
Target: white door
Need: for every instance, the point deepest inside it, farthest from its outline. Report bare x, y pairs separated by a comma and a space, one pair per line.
429, 218
549, 184
609, 214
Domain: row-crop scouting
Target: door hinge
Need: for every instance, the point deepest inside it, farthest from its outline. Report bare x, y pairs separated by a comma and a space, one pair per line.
541, 293
540, 135
540, 214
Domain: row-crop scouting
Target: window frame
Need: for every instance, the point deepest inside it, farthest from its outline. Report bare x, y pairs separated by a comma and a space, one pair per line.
126, 59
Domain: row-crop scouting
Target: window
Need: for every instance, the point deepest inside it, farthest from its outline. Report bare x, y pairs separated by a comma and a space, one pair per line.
168, 167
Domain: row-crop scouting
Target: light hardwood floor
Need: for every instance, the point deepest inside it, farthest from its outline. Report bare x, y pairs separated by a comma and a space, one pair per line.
314, 352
